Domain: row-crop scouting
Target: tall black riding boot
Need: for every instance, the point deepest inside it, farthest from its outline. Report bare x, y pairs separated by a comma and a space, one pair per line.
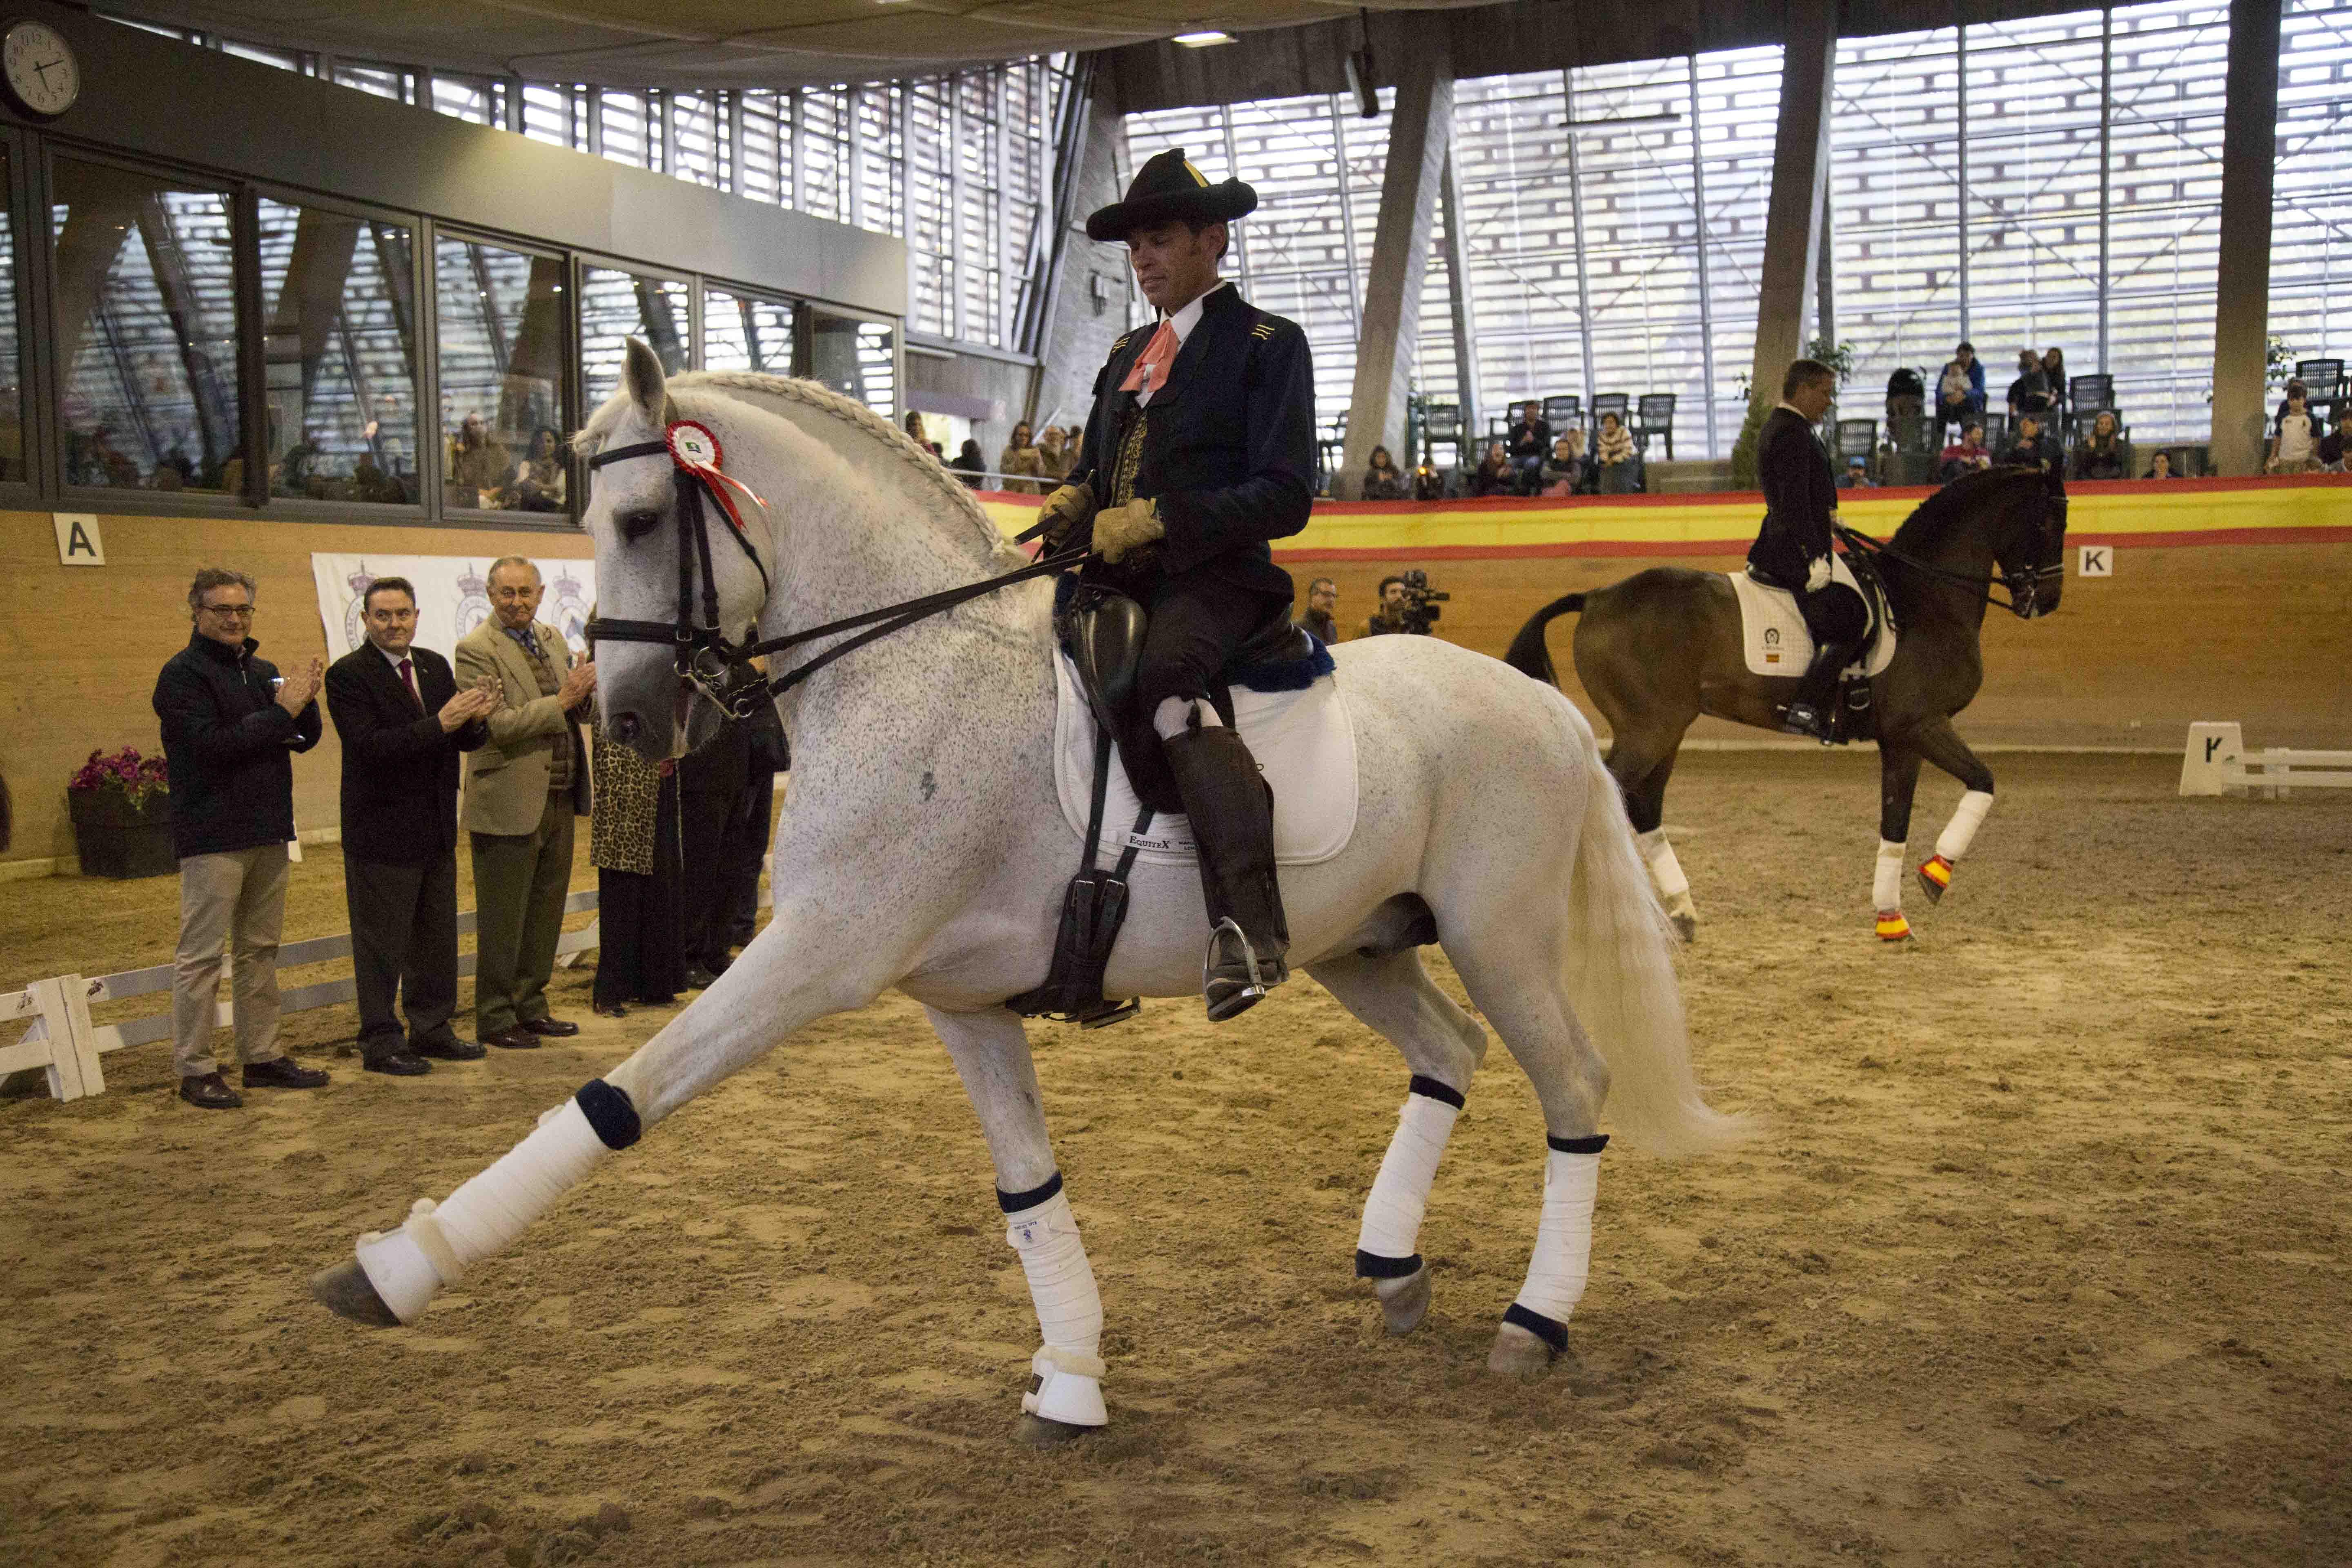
1232, 813
1813, 711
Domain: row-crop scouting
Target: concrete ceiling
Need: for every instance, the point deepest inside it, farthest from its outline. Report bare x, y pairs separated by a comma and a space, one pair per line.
729, 43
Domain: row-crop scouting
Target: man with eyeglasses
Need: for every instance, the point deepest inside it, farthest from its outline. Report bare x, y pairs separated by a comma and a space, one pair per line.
403, 723
231, 727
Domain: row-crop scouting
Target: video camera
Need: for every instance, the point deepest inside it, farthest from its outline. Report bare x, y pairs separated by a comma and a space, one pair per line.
1421, 602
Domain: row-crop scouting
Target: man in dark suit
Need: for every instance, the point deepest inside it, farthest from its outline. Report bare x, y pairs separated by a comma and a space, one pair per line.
1200, 451
1792, 551
403, 723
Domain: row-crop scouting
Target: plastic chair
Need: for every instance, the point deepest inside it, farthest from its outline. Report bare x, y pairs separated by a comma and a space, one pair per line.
1562, 411
2086, 397
1654, 416
1441, 422
1855, 437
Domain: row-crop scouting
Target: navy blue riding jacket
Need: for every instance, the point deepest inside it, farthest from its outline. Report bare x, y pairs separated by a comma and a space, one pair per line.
1800, 493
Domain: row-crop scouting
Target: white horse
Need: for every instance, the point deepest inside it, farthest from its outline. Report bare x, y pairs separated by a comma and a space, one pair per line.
923, 848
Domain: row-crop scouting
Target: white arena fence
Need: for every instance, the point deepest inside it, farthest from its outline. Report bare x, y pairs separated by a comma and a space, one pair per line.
2217, 762
63, 1040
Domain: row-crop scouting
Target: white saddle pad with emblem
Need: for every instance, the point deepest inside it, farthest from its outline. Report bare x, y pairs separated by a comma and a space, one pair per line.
1304, 745
1773, 636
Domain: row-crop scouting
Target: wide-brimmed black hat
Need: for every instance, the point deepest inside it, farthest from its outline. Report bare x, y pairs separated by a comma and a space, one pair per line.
1169, 187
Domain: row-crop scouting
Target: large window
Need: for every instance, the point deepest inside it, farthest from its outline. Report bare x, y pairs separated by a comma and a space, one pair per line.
146, 330
616, 306
2311, 223
746, 331
857, 356
502, 365
340, 352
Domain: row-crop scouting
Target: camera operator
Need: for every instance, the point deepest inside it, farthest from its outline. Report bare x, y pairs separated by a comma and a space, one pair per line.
1407, 605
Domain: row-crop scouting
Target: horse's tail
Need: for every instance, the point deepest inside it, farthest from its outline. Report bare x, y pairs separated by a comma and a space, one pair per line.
1620, 978
1528, 655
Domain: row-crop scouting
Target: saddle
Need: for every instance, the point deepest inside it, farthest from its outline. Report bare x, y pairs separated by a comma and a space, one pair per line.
1102, 631
1775, 641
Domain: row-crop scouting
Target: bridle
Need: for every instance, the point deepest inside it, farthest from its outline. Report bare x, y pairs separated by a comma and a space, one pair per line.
721, 669
2024, 588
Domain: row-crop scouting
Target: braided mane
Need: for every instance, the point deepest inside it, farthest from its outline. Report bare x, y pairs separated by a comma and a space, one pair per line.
845, 410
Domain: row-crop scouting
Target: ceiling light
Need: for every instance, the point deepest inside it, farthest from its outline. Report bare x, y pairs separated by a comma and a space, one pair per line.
1203, 38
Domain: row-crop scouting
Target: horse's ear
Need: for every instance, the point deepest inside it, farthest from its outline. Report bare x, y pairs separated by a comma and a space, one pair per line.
648, 387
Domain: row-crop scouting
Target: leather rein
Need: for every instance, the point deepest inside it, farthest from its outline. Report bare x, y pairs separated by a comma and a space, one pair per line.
721, 669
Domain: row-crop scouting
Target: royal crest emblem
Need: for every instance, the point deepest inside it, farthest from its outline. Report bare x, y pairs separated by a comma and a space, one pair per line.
473, 600
567, 609
355, 613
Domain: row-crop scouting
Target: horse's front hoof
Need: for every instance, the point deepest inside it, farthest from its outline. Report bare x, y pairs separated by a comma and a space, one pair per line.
1893, 927
1687, 928
1045, 1432
1520, 1354
345, 1291
1404, 1302
1935, 875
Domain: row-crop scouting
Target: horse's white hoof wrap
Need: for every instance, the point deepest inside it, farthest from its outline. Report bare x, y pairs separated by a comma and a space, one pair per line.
399, 1267
1065, 1386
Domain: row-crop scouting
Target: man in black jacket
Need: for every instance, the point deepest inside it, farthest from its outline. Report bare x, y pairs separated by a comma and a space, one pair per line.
1198, 451
1792, 551
231, 726
402, 722
1530, 444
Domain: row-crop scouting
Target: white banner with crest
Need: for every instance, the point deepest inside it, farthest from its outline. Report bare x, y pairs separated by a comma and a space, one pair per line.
453, 596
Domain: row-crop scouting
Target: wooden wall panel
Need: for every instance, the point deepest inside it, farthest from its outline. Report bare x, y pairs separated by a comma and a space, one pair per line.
80, 645
2261, 634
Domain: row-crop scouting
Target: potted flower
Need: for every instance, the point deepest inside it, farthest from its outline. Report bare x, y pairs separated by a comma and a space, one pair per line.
121, 810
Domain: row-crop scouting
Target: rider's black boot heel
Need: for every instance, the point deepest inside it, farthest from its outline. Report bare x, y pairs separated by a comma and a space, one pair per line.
1232, 813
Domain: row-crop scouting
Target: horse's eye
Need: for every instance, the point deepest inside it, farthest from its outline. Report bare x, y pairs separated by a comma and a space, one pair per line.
637, 524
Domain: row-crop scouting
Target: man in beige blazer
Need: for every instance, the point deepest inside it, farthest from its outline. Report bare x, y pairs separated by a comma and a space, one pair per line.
523, 788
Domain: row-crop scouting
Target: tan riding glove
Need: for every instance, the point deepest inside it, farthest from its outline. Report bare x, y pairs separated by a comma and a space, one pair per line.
1066, 513
1126, 528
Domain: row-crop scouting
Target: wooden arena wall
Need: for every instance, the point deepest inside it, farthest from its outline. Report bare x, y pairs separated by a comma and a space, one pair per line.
81, 644
2229, 600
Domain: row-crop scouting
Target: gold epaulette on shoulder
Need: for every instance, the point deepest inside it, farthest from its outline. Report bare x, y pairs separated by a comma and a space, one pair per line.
1121, 344
1265, 330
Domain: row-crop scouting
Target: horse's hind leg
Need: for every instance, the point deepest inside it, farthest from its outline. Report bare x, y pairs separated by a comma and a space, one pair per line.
1442, 1045
991, 1052
1645, 806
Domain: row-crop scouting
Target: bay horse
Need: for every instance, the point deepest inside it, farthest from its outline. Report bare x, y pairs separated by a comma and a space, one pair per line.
923, 849
1663, 646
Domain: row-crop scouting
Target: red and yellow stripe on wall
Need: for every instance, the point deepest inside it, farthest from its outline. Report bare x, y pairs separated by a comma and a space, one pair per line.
2310, 509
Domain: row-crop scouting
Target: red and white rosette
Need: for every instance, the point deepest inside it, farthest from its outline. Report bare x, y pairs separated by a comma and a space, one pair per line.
693, 447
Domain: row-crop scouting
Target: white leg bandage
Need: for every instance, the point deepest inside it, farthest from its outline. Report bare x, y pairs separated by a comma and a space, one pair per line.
410, 1265
1067, 1385
1563, 1261
1961, 831
1388, 1245
1887, 882
1664, 869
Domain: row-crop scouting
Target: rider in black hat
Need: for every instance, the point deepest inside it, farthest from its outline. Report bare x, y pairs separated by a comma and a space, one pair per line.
1793, 549
1200, 449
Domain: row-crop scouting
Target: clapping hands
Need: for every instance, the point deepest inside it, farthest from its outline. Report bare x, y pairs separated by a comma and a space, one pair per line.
295, 691
478, 701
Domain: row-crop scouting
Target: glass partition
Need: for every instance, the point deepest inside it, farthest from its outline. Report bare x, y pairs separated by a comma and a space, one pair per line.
340, 350
502, 365
745, 332
146, 330
856, 356
616, 306
12, 342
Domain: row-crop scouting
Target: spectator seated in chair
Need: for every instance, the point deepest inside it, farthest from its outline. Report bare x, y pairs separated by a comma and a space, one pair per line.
1617, 466
1531, 444
1494, 474
2032, 449
2104, 454
2335, 448
1960, 386
2161, 469
1383, 479
1856, 475
2030, 392
1969, 452
1564, 471
2053, 376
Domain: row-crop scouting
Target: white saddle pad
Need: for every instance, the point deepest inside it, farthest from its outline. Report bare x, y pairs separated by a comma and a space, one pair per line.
1304, 745
1773, 634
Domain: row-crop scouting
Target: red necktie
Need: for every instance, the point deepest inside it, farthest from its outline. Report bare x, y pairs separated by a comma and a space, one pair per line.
408, 679
1150, 372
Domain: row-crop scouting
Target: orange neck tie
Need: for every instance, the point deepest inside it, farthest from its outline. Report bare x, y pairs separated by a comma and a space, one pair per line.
1150, 372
